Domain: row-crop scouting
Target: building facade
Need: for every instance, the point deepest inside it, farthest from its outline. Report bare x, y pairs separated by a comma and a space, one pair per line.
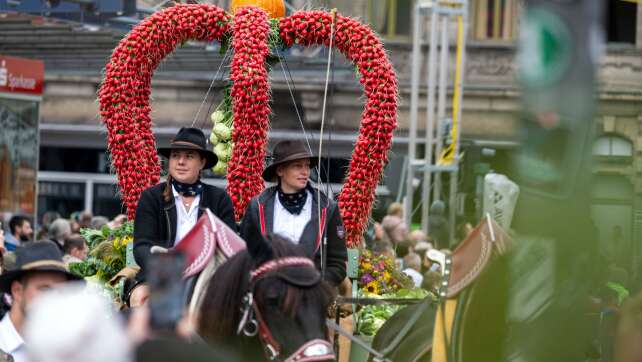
74, 166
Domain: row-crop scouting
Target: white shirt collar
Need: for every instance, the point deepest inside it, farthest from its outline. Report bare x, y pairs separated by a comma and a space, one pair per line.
289, 225
185, 219
10, 339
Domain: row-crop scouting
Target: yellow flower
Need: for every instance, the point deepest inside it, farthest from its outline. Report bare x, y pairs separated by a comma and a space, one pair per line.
367, 266
116, 243
372, 287
127, 240
386, 275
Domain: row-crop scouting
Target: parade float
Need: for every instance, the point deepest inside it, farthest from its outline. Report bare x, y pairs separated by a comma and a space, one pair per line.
253, 34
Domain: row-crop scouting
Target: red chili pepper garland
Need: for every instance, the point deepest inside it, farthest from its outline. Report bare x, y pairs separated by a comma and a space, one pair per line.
250, 96
124, 99
379, 119
124, 94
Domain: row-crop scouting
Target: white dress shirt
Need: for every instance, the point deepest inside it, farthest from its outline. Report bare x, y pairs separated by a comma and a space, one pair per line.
185, 219
289, 225
10, 341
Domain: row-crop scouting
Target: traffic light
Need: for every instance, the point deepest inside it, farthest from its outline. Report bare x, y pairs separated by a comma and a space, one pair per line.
553, 266
559, 48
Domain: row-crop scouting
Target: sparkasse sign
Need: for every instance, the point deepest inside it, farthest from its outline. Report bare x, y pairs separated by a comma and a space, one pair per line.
19, 75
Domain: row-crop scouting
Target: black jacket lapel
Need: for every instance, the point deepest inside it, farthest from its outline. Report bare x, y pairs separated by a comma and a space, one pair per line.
170, 220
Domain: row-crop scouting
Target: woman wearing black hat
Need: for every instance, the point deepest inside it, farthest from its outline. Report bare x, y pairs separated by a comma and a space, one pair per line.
167, 211
291, 209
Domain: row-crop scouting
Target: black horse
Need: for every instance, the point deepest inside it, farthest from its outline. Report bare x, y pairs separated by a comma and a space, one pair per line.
268, 302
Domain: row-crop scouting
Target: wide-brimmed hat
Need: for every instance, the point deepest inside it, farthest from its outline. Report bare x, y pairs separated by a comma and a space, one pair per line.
41, 256
284, 152
189, 138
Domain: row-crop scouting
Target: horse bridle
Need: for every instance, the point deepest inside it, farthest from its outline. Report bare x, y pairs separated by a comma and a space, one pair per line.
253, 323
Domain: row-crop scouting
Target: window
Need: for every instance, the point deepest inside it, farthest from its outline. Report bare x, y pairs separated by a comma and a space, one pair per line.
18, 161
494, 19
621, 21
612, 146
62, 197
106, 200
390, 18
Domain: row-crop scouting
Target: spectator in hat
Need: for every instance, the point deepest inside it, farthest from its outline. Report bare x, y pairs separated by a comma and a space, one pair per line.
38, 267
166, 212
297, 211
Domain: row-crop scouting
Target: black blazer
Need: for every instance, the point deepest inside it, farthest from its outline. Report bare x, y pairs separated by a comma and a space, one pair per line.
156, 219
337, 254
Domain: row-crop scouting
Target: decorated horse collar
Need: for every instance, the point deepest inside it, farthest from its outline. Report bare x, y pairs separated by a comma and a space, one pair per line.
253, 323
276, 264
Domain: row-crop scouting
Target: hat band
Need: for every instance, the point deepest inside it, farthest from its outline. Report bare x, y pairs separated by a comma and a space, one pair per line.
41, 263
184, 143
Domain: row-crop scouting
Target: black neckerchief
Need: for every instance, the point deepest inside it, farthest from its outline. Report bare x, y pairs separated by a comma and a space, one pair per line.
188, 190
293, 202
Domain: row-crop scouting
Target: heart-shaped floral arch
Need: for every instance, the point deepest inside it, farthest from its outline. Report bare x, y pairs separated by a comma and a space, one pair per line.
125, 99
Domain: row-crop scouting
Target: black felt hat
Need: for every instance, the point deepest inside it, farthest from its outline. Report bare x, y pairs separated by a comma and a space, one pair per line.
286, 151
41, 256
189, 138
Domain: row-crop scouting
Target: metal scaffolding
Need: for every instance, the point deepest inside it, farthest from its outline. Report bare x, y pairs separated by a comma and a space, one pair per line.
442, 126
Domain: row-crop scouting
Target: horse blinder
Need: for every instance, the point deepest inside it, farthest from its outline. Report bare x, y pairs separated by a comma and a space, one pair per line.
252, 322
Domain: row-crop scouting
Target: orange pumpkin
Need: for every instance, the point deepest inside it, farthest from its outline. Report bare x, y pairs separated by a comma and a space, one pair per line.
274, 8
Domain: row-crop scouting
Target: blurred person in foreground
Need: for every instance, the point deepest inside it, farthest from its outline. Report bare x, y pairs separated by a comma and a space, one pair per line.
628, 339
74, 324
39, 267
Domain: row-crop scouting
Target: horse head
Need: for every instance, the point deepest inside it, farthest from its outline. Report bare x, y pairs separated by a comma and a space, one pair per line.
273, 294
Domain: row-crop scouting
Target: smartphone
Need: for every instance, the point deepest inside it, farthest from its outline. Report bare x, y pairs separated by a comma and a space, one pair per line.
168, 297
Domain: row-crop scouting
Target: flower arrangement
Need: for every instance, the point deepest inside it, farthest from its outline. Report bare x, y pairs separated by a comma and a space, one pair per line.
378, 275
107, 252
378, 278
125, 106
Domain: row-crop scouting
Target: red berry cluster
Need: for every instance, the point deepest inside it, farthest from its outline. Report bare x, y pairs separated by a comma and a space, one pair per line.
359, 44
250, 96
124, 95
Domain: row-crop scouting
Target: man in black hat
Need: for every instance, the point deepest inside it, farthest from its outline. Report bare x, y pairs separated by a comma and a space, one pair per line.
39, 267
295, 210
167, 211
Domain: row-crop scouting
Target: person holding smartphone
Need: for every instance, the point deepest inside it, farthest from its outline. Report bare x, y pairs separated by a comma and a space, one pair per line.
167, 211
297, 211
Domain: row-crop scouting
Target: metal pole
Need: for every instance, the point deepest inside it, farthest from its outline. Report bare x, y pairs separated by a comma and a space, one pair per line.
443, 92
430, 119
414, 107
461, 38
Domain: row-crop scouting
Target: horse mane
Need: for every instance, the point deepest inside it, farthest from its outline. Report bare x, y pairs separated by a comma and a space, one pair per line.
220, 312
